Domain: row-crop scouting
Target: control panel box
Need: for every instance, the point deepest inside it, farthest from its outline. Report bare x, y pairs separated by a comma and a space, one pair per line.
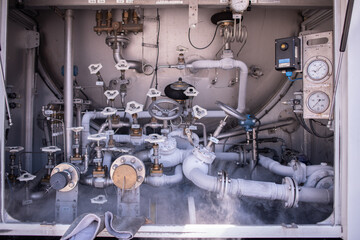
318, 75
287, 54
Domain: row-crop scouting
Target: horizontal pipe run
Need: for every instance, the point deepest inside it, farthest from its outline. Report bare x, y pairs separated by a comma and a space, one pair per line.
159, 181
264, 127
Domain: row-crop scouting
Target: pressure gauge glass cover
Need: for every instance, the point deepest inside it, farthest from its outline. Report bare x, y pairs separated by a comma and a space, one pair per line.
318, 69
239, 5
318, 102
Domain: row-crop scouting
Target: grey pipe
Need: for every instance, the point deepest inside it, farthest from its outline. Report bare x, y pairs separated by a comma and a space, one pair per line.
316, 195
159, 181
96, 182
117, 54
197, 172
300, 173
29, 106
204, 131
113, 125
47, 133
262, 128
86, 163
68, 82
45, 76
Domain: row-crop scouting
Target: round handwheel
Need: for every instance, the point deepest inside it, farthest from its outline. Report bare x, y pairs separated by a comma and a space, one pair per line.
230, 111
165, 109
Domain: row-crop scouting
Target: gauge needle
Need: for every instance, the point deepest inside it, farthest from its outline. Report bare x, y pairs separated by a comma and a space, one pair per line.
316, 103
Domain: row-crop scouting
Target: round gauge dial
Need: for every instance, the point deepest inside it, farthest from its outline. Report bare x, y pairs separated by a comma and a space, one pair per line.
318, 102
318, 69
239, 5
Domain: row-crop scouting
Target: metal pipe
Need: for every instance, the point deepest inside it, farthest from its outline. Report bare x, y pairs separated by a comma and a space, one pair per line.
3, 37
217, 131
159, 181
262, 128
45, 76
29, 106
117, 54
47, 133
197, 172
204, 131
68, 81
227, 64
78, 115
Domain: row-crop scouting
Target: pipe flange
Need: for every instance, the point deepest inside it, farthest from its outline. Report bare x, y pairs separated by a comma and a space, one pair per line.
204, 155
293, 195
224, 181
71, 171
127, 172
124, 41
243, 156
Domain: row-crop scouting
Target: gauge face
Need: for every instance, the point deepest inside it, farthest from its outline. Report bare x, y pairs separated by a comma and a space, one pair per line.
239, 5
318, 102
318, 69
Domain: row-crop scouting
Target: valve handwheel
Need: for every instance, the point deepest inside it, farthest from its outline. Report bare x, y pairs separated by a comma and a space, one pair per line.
230, 111
165, 109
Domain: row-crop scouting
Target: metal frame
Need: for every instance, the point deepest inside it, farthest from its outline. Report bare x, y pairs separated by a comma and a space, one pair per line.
347, 150
350, 132
3, 37
167, 3
190, 231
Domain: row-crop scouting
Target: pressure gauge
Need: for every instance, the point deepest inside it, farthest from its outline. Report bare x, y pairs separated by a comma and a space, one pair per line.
318, 69
239, 5
318, 102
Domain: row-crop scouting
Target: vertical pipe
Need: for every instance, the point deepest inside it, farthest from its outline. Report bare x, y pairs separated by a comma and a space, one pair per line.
29, 106
3, 34
78, 115
68, 82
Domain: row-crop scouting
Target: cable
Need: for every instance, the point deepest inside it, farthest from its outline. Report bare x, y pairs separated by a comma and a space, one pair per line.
311, 130
225, 144
202, 48
281, 95
316, 134
157, 59
293, 80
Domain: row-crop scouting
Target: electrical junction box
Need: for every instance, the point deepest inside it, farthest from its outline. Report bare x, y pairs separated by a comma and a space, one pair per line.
287, 54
